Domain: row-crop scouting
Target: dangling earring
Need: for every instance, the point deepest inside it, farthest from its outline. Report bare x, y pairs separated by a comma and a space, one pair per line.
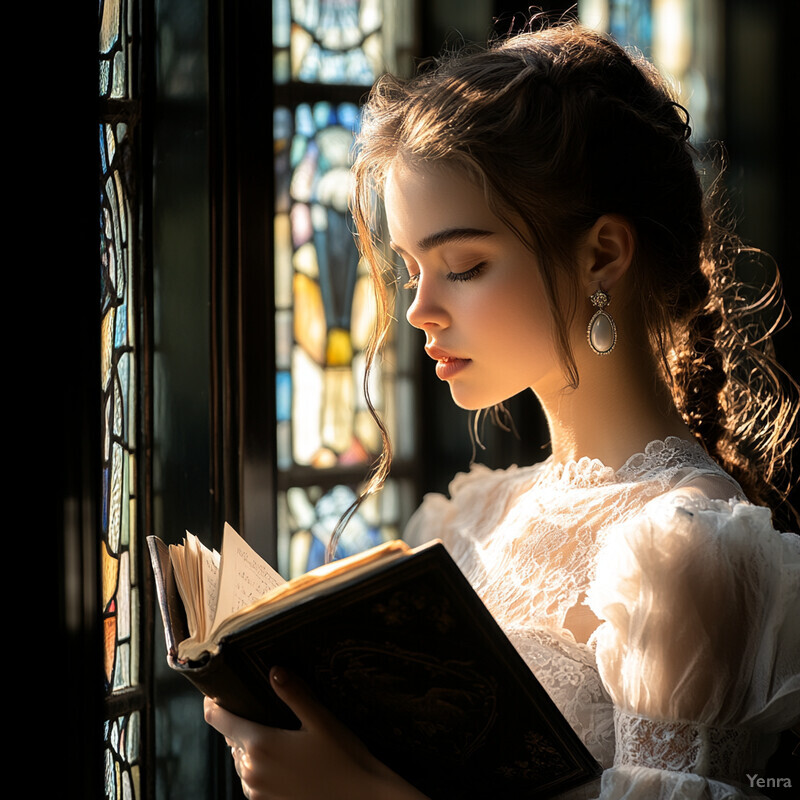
602, 332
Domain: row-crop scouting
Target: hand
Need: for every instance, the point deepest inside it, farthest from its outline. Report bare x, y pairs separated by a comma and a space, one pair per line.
321, 760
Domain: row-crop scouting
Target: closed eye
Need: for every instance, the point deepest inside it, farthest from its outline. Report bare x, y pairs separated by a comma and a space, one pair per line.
468, 274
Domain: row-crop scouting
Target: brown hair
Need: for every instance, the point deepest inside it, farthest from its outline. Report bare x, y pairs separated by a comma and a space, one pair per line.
560, 126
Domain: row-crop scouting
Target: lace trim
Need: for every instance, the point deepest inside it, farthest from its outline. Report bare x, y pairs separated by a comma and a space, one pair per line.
670, 454
584, 472
681, 746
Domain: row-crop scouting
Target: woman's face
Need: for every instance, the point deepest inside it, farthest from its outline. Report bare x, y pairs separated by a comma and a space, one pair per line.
479, 296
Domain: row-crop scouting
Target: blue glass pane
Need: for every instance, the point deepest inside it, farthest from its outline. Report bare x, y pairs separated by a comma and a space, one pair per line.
281, 23
631, 23
283, 390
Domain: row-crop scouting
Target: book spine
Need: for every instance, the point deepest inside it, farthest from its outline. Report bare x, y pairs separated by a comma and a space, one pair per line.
221, 680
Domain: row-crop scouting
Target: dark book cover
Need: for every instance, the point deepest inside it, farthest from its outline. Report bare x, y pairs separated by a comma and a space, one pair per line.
410, 659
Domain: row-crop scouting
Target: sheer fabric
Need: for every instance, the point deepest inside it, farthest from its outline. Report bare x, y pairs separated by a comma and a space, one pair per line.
693, 662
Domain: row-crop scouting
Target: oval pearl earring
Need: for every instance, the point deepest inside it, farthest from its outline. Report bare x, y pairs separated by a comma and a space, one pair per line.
602, 332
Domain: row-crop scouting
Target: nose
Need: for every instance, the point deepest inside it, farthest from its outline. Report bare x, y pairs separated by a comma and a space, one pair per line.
427, 309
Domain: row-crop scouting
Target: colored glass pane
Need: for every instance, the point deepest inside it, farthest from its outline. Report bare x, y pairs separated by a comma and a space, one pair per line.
122, 756
114, 42
308, 515
632, 21
327, 41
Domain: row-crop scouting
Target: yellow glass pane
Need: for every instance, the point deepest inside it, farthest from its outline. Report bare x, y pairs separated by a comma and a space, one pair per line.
309, 318
109, 25
137, 781
340, 350
106, 347
364, 312
301, 44
305, 260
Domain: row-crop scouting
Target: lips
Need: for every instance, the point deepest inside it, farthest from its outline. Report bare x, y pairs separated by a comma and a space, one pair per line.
447, 365
437, 354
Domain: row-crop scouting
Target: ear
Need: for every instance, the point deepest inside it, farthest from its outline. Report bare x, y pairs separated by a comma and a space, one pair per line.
607, 252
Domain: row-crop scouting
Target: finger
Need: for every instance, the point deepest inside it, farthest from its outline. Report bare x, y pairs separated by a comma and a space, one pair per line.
236, 730
296, 694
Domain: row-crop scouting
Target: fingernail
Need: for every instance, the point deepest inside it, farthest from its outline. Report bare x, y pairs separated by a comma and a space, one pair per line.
279, 675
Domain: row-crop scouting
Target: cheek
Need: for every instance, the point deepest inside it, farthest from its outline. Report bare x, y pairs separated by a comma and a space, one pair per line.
525, 321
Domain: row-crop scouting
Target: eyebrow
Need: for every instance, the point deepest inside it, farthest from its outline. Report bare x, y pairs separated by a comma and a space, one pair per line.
445, 237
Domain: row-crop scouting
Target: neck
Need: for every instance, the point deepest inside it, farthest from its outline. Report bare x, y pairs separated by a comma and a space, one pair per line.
620, 405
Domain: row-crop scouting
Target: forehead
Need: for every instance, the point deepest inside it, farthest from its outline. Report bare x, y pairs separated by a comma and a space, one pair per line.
422, 198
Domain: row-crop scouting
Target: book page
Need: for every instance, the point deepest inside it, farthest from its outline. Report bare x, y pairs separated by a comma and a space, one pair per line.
180, 569
196, 570
245, 576
287, 593
210, 561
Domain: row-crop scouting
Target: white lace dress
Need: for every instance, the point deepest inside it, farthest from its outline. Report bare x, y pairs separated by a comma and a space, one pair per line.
694, 667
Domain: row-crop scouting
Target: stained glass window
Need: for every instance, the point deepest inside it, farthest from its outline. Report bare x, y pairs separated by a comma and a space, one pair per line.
120, 568
122, 768
328, 41
325, 307
682, 38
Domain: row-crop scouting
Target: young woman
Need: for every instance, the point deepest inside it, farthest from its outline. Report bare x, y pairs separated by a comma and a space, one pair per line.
544, 199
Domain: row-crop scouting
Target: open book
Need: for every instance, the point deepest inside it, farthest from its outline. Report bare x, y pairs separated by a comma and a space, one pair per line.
394, 642
218, 601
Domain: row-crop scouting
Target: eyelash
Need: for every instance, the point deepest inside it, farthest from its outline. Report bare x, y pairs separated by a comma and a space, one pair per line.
467, 275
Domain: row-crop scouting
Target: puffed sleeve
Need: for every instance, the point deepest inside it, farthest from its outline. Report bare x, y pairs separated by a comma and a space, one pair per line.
440, 517
699, 647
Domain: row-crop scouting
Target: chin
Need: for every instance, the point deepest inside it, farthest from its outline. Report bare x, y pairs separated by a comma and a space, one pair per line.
474, 402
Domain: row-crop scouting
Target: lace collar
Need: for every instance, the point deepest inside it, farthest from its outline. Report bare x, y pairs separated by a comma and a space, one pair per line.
658, 457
